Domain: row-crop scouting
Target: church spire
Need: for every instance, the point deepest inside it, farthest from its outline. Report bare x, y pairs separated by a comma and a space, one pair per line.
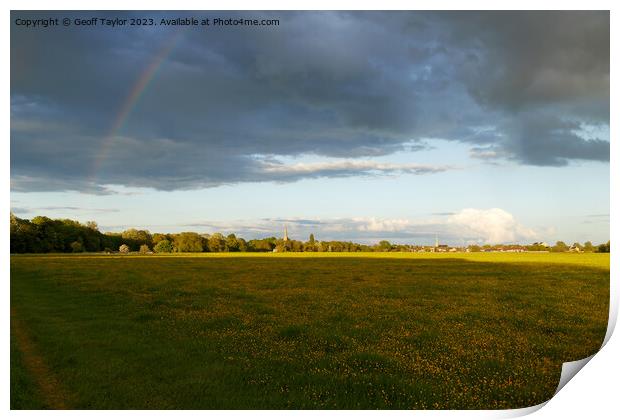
285, 234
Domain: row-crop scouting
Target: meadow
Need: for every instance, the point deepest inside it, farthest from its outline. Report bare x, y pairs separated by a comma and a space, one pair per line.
301, 331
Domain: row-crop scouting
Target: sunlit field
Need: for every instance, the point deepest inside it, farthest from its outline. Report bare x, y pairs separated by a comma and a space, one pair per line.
346, 331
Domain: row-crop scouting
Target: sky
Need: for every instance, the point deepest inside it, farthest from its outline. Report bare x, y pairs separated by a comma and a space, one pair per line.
470, 127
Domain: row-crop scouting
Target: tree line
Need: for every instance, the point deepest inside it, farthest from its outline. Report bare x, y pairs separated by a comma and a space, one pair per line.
44, 235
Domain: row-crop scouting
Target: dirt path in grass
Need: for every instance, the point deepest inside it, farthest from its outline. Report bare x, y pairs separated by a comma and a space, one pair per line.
51, 389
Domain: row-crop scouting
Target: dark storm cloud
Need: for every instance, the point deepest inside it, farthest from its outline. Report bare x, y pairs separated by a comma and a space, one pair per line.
548, 140
526, 58
228, 104
549, 74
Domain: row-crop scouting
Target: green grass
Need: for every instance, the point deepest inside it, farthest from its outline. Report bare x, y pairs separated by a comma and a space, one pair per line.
24, 392
306, 330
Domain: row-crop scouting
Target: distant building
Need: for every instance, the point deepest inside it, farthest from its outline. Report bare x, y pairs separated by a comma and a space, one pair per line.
282, 247
439, 247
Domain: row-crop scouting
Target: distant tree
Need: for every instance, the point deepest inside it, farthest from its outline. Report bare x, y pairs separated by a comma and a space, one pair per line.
385, 246
92, 225
144, 249
354, 247
232, 244
48, 239
474, 248
43, 234
217, 243
163, 246
605, 248
123, 249
188, 242
311, 245
559, 247
135, 238
41, 220
536, 246
158, 237
262, 245
23, 235
77, 246
588, 247
205, 241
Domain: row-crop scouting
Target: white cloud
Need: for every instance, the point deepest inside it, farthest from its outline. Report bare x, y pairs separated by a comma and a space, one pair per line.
374, 224
490, 225
348, 168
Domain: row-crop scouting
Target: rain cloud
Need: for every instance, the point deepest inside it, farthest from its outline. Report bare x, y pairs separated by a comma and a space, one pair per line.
229, 105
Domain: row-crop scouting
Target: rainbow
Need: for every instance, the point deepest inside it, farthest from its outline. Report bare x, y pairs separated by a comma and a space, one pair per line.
132, 100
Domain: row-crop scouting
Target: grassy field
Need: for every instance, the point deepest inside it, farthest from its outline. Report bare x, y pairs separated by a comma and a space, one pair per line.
195, 331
